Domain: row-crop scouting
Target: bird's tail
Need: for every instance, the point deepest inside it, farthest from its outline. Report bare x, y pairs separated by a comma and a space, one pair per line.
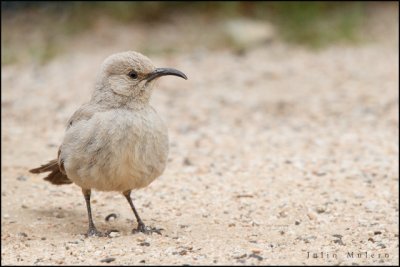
55, 176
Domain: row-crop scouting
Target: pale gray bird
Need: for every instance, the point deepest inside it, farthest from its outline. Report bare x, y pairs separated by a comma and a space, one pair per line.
116, 141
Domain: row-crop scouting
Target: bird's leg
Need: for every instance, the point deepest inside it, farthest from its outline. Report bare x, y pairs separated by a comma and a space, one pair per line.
92, 229
141, 227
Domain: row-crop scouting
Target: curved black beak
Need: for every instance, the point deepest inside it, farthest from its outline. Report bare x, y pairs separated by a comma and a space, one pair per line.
158, 72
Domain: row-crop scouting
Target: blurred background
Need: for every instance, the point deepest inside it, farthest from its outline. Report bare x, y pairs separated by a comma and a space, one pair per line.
42, 30
283, 140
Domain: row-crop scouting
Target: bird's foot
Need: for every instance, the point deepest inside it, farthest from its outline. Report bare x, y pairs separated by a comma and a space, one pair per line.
146, 229
94, 232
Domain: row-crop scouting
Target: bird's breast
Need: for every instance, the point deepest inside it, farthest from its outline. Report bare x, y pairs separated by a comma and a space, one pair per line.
123, 149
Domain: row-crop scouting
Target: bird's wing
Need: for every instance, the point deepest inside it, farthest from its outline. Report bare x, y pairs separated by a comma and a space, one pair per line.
85, 112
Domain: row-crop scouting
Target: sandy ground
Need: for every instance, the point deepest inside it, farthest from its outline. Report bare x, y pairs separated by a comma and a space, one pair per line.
274, 155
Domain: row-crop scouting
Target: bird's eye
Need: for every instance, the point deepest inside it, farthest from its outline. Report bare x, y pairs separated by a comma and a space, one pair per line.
133, 74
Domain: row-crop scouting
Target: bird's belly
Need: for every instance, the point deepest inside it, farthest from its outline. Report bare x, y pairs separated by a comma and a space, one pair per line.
121, 151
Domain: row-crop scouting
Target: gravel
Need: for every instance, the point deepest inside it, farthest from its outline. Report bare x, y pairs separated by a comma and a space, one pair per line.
277, 140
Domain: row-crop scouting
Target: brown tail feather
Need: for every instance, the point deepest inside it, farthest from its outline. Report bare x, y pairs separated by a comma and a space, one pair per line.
51, 166
56, 176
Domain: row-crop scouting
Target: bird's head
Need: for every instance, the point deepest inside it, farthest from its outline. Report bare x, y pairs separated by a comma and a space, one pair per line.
131, 74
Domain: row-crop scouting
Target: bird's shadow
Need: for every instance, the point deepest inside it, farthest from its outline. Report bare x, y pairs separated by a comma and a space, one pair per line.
75, 222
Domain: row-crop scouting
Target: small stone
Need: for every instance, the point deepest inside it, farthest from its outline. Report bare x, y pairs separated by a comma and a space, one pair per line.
22, 234
297, 222
381, 245
258, 257
145, 244
309, 238
22, 178
377, 233
283, 214
320, 209
187, 162
6, 216
107, 260
240, 256
339, 241
312, 215
43, 238
24, 206
319, 173
111, 217
114, 234
142, 261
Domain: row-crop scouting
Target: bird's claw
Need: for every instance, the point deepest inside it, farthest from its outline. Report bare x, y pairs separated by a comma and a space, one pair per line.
146, 229
94, 232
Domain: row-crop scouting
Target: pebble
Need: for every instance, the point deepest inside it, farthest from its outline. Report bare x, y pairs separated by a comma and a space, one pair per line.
381, 245
145, 244
22, 178
114, 234
339, 241
308, 239
240, 256
319, 173
321, 209
187, 162
22, 234
258, 257
140, 239
283, 214
107, 260
111, 217
312, 215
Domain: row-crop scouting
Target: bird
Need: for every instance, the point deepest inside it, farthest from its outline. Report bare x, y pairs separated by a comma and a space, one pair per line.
116, 141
